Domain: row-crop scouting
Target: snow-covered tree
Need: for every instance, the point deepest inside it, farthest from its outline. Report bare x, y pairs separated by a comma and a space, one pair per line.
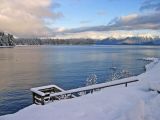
120, 74
91, 80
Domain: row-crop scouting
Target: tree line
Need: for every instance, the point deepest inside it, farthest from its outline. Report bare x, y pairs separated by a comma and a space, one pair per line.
6, 39
37, 41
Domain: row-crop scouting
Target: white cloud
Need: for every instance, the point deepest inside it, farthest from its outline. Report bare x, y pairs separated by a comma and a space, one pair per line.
25, 17
102, 13
85, 22
129, 17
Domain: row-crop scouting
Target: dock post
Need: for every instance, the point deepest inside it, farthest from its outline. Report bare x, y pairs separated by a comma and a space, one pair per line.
42, 100
33, 98
126, 84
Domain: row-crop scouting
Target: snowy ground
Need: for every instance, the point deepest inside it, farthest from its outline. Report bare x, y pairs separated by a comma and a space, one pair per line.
135, 102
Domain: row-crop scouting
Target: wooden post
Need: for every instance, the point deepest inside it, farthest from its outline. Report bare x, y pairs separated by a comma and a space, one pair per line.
126, 84
33, 99
42, 100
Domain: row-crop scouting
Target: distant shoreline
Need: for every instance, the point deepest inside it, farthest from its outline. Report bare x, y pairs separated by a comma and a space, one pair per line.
7, 46
18, 45
73, 45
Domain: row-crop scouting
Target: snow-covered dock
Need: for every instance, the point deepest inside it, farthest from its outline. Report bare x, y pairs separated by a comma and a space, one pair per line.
135, 102
50, 93
42, 95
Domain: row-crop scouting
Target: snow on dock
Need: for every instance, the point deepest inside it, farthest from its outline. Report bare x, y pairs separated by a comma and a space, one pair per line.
51, 93
138, 101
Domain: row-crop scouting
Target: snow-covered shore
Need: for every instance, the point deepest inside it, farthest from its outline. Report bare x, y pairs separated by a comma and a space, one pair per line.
135, 102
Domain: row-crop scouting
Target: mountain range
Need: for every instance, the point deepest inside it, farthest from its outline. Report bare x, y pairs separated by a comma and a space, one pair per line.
129, 41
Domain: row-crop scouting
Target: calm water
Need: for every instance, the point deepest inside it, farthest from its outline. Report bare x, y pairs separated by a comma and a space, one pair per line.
22, 68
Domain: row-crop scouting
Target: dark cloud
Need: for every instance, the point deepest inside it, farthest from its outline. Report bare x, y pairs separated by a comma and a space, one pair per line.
130, 22
149, 20
151, 5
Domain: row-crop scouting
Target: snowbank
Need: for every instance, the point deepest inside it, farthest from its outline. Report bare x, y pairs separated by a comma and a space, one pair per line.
135, 102
154, 61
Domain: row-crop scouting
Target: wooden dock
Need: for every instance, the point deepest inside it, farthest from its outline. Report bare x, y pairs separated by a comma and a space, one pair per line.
50, 93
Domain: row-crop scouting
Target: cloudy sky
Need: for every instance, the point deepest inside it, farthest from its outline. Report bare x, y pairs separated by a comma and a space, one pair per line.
80, 18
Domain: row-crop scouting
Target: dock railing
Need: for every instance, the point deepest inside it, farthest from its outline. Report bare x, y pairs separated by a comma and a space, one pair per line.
50, 93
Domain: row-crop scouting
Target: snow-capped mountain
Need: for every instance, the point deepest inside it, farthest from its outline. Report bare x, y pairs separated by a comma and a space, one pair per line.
135, 40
